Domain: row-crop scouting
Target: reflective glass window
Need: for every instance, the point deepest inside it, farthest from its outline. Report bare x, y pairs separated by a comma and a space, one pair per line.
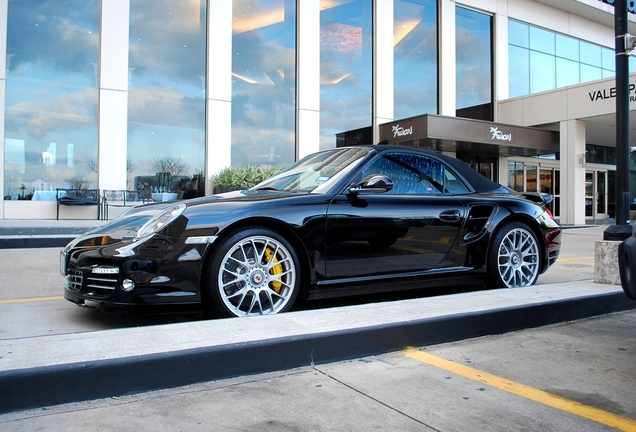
590, 73
415, 57
518, 34
263, 82
555, 60
567, 47
345, 68
542, 72
474, 61
591, 54
51, 96
519, 71
542, 40
567, 72
166, 97
608, 59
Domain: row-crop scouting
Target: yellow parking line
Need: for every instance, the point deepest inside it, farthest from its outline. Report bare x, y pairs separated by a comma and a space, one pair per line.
577, 260
545, 398
31, 300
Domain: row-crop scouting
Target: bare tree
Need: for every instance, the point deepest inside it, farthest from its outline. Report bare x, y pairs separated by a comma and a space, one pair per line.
168, 171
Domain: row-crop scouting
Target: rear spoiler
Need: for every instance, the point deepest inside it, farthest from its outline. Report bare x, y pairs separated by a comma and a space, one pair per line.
538, 197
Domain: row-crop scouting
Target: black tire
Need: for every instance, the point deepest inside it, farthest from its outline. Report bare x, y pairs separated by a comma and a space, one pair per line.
514, 258
627, 266
254, 271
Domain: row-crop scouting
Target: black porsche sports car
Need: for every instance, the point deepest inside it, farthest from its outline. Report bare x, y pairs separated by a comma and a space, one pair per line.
344, 221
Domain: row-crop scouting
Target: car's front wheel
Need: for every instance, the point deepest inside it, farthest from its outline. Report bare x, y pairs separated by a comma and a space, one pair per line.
252, 272
514, 257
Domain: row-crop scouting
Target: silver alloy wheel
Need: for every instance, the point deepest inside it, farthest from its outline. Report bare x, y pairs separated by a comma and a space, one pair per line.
518, 258
257, 277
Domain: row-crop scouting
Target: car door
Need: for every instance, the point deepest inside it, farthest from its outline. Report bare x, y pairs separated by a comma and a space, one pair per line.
410, 228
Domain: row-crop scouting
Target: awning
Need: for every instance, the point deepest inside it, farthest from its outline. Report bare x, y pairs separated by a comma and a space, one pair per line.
467, 137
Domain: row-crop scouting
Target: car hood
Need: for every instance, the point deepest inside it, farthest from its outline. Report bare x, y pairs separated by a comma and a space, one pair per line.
200, 212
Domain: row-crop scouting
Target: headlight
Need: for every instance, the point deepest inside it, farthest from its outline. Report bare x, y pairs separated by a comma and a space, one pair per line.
158, 222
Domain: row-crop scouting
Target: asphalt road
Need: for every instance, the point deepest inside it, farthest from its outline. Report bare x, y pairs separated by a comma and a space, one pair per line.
571, 376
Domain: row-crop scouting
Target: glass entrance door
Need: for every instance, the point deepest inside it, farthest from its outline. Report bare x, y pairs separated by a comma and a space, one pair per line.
601, 195
596, 194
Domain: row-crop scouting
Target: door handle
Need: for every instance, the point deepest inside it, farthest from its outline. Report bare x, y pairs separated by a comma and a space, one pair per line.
450, 216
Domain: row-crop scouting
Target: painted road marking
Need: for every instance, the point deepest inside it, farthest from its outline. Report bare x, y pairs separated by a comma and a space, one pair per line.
27, 300
577, 260
540, 396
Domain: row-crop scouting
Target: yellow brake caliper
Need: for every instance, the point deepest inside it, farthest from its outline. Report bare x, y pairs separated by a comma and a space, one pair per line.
275, 270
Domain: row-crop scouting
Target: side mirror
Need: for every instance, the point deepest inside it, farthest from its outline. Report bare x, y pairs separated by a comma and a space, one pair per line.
374, 183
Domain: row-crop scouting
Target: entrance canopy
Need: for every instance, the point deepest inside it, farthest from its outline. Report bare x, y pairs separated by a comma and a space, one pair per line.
467, 137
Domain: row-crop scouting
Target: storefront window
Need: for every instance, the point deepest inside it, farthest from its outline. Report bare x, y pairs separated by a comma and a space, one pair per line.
474, 61
166, 97
263, 82
345, 68
51, 96
415, 57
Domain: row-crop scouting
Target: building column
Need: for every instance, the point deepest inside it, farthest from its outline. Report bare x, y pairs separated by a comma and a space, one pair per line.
447, 58
500, 57
113, 96
308, 78
383, 65
218, 125
572, 148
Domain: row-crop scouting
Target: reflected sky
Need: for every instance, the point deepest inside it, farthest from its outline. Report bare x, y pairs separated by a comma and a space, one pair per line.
473, 41
263, 82
51, 93
166, 99
345, 67
415, 57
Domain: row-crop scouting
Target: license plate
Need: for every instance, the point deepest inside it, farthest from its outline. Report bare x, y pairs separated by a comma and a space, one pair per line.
63, 262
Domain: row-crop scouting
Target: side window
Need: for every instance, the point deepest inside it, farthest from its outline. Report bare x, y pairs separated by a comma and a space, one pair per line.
411, 174
453, 184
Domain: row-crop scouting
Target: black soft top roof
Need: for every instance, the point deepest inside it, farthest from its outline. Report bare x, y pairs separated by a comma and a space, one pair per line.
475, 179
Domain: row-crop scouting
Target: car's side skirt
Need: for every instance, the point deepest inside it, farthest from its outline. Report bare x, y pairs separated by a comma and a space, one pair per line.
456, 276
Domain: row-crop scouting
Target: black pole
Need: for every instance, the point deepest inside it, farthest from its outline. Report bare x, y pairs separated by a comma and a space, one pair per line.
622, 229
621, 28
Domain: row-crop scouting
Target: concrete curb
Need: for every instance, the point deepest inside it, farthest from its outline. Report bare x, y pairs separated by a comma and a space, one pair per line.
73, 382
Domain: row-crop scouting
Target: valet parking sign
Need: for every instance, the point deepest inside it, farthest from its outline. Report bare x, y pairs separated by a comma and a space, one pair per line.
610, 93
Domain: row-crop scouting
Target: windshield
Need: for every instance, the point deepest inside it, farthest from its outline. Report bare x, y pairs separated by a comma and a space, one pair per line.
317, 172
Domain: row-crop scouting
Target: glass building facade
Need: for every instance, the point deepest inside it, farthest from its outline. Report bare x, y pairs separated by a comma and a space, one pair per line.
205, 85
51, 98
541, 60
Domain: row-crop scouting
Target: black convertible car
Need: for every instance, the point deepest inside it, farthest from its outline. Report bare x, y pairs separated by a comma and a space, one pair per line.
345, 221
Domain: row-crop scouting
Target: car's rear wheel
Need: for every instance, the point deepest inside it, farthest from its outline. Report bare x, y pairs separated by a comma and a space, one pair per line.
514, 258
252, 272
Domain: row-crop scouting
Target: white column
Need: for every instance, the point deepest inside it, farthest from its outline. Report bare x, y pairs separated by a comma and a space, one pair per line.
4, 9
218, 89
308, 78
572, 147
447, 59
113, 95
383, 65
500, 55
